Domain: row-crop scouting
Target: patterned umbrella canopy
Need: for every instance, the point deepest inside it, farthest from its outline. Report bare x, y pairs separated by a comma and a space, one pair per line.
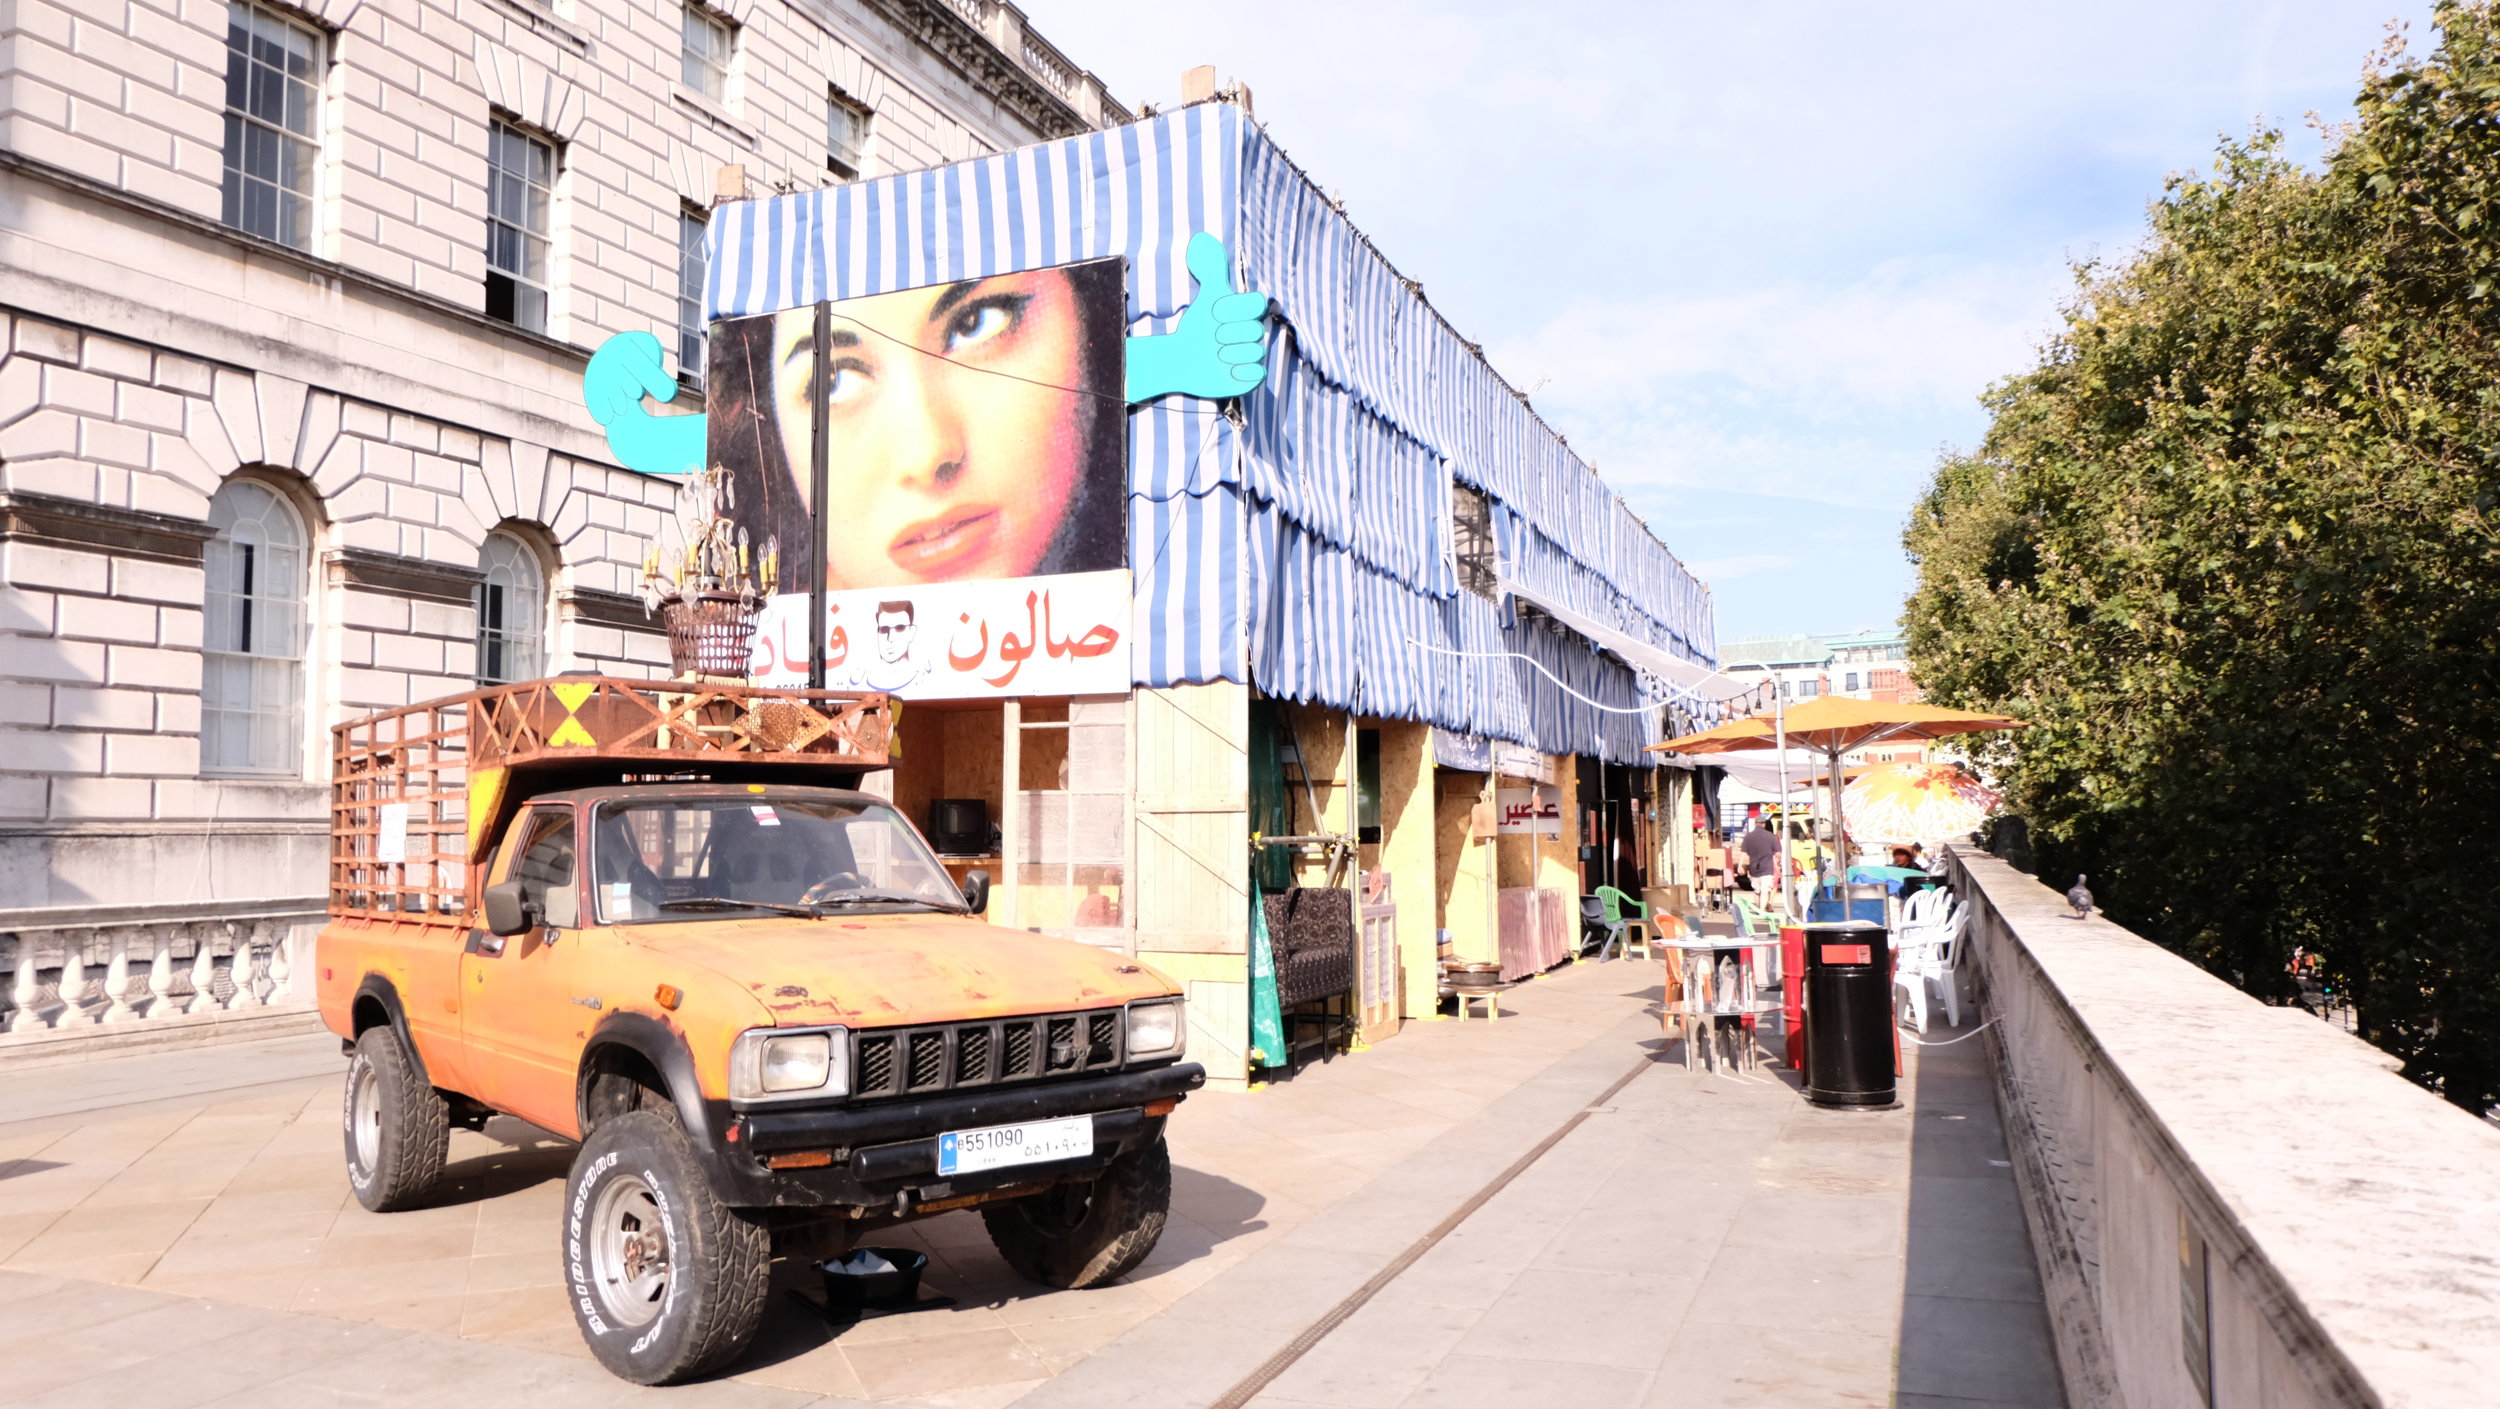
1920, 802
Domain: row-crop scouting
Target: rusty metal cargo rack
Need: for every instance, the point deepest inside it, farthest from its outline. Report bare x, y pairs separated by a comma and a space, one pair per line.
417, 793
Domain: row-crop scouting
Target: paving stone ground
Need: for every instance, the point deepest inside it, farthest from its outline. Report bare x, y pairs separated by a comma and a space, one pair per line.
175, 1230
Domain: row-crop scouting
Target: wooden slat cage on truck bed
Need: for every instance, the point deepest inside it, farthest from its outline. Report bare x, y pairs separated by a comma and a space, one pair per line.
417, 795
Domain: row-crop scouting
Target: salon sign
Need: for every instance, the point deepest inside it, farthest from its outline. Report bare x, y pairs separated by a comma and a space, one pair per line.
1061, 634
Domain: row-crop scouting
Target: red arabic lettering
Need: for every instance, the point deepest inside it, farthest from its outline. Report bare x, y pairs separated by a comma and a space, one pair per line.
1014, 651
973, 661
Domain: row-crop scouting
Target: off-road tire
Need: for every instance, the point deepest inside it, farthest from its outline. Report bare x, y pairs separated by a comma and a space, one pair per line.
1088, 1235
393, 1162
718, 1263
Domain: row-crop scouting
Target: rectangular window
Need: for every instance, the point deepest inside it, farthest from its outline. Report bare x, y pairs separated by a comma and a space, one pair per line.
1071, 861
692, 270
1471, 541
520, 196
846, 136
707, 54
273, 104
1853, 680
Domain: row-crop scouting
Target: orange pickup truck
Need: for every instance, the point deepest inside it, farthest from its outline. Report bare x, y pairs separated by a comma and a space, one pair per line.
659, 918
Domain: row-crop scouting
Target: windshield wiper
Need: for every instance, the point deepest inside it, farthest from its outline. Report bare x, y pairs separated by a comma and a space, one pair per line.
884, 897
714, 902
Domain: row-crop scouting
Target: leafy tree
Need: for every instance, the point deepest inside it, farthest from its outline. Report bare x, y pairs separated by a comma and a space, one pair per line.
2232, 547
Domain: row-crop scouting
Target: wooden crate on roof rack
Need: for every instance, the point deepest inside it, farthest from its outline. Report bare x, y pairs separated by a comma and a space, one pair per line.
418, 794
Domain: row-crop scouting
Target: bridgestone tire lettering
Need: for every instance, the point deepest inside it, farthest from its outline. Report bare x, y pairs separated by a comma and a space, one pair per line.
719, 1263
415, 1126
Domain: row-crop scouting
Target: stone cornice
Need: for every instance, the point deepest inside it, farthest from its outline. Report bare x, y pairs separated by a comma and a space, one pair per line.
402, 577
129, 533
939, 29
621, 610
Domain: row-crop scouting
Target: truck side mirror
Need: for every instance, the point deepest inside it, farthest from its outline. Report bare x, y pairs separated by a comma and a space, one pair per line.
507, 910
977, 891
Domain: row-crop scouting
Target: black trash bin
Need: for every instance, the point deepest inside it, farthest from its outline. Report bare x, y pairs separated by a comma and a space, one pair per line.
1848, 995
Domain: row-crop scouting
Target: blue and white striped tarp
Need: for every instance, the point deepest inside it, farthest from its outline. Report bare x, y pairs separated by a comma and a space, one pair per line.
1307, 549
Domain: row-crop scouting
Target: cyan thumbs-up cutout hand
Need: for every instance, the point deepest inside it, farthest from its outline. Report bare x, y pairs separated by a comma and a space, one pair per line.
623, 369
1220, 348
1218, 351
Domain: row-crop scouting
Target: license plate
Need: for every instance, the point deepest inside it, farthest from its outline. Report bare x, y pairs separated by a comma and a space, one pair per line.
998, 1146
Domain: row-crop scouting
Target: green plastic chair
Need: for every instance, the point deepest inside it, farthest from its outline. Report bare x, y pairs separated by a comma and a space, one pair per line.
1622, 912
1752, 919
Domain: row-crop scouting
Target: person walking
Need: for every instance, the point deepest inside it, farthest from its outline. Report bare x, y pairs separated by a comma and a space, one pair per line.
1762, 855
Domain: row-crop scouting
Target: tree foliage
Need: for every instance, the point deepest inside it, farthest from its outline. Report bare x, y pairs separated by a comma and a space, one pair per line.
2231, 546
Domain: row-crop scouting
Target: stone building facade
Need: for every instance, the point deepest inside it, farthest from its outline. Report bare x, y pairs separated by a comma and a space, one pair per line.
294, 307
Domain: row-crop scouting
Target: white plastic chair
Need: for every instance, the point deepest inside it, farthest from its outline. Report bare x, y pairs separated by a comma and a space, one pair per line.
1931, 955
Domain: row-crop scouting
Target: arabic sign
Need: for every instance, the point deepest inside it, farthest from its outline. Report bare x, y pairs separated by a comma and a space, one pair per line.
1060, 635
1474, 753
1524, 811
977, 430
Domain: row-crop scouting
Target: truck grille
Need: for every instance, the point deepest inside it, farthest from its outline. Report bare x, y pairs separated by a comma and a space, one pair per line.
920, 1061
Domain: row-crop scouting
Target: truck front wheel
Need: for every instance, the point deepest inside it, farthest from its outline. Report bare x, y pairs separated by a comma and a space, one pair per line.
1088, 1234
666, 1281
398, 1129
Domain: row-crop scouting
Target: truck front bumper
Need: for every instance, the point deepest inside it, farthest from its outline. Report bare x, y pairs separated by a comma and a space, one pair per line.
884, 1156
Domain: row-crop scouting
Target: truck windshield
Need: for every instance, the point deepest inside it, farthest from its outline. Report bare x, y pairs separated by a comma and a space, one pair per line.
676, 859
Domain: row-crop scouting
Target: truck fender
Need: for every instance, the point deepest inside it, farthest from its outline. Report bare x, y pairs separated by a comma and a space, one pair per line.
664, 1049
377, 1004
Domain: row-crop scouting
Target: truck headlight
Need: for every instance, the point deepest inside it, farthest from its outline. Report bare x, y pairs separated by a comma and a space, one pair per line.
769, 1065
1155, 1029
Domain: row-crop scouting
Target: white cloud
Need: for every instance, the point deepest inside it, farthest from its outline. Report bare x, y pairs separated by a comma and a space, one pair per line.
1893, 340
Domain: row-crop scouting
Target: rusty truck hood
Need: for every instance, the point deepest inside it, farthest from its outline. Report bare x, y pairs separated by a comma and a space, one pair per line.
888, 970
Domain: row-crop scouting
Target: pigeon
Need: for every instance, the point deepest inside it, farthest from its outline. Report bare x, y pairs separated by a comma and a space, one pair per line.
2081, 899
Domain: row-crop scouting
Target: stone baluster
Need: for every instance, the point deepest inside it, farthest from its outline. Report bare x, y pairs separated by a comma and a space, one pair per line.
239, 970
203, 972
27, 989
282, 964
73, 987
161, 976
117, 1007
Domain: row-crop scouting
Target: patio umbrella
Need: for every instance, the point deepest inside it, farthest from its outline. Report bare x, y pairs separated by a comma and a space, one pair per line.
1916, 802
1834, 725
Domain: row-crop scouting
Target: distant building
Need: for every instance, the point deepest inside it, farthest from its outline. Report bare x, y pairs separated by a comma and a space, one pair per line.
1862, 665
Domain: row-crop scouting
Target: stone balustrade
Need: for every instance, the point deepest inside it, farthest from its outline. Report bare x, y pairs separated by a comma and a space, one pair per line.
139, 975
2232, 1204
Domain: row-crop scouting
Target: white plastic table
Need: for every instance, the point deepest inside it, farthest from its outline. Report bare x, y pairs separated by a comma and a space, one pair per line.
1706, 999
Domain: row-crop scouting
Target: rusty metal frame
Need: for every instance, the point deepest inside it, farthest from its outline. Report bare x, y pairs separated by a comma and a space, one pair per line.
448, 765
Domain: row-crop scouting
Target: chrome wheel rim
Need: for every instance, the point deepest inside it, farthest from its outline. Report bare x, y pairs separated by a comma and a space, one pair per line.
364, 1116
629, 1252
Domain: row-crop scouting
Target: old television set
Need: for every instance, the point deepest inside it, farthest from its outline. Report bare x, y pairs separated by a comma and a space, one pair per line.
960, 826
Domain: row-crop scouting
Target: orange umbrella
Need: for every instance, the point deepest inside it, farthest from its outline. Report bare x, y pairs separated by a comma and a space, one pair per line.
1834, 725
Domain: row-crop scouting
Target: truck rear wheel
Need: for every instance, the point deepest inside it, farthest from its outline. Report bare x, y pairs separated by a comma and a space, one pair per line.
398, 1129
1090, 1233
666, 1281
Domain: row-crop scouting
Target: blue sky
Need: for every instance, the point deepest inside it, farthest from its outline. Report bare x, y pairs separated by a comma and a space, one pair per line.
1757, 262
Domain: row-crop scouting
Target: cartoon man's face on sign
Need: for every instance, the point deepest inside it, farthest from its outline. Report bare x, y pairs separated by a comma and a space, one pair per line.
895, 628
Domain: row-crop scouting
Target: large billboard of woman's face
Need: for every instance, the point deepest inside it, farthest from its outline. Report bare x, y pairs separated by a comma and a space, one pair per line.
977, 466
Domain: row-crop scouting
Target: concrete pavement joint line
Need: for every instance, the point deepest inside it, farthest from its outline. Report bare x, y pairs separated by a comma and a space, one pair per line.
154, 1100
1259, 1379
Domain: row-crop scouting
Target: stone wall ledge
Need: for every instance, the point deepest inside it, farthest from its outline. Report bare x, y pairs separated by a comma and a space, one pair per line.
2352, 1218
84, 917
55, 1047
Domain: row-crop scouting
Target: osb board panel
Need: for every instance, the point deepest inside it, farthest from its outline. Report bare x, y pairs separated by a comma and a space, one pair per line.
949, 753
1408, 852
1193, 837
1459, 863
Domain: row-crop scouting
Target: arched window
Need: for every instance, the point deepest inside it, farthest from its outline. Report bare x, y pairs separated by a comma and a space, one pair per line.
252, 642
511, 612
